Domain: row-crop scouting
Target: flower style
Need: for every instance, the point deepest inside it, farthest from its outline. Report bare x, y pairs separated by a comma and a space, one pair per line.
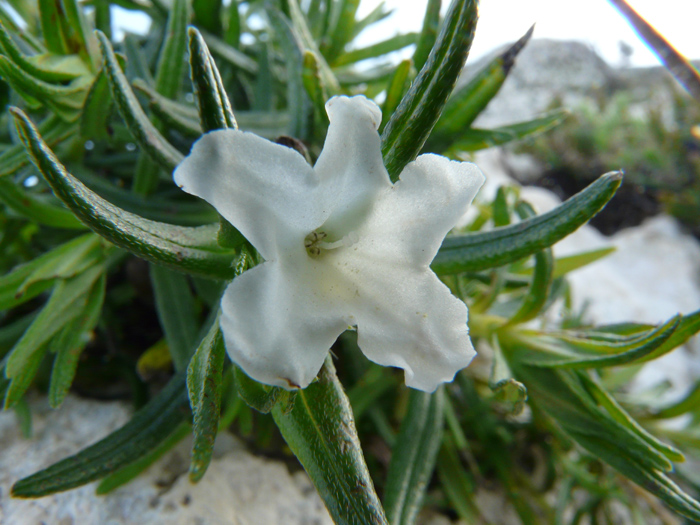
343, 248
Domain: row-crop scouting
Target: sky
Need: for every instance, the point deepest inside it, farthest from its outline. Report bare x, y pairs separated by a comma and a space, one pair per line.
596, 22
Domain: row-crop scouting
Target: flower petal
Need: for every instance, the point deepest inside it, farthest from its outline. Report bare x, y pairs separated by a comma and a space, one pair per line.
409, 222
267, 191
422, 328
276, 327
350, 165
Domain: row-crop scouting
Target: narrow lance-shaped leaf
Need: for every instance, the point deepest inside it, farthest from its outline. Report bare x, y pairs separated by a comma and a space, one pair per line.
76, 33
65, 101
38, 210
400, 81
190, 250
569, 355
469, 101
176, 313
70, 342
212, 101
143, 130
481, 251
53, 129
149, 427
308, 43
66, 302
610, 404
414, 456
46, 75
538, 293
384, 47
132, 470
204, 384
230, 54
169, 72
297, 100
409, 127
30, 279
474, 139
342, 23
315, 89
320, 430
428, 34
214, 111
561, 395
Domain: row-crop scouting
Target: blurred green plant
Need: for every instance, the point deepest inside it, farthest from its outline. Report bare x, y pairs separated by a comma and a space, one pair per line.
537, 417
657, 146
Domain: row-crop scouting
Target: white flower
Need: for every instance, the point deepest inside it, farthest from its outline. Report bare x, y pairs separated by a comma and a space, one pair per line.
343, 248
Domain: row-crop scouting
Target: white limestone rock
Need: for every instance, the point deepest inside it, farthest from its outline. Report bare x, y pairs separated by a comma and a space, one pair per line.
238, 488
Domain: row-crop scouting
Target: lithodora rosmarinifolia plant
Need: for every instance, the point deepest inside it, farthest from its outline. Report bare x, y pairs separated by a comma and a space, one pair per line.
251, 294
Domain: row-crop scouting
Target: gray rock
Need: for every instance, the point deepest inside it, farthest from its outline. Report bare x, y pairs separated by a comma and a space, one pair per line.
238, 488
553, 73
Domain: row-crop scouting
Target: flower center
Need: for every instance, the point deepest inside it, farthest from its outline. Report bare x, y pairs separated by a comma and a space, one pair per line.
316, 244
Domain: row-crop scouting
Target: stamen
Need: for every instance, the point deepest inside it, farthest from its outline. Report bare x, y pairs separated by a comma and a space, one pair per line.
314, 242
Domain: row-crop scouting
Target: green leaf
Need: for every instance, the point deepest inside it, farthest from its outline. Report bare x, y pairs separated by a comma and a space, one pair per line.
132, 470
97, 110
230, 54
207, 14
52, 24
481, 251
389, 45
33, 207
409, 127
67, 300
569, 263
53, 129
25, 63
400, 81
458, 484
298, 101
315, 88
320, 430
413, 457
143, 130
176, 313
474, 139
469, 101
75, 31
689, 403
261, 397
302, 32
149, 427
610, 404
538, 293
428, 34
562, 353
171, 65
204, 384
341, 27
190, 250
232, 36
32, 278
370, 387
71, 340
212, 101
65, 101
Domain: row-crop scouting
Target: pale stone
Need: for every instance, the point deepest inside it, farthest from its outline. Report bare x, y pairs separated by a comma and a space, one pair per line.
238, 488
